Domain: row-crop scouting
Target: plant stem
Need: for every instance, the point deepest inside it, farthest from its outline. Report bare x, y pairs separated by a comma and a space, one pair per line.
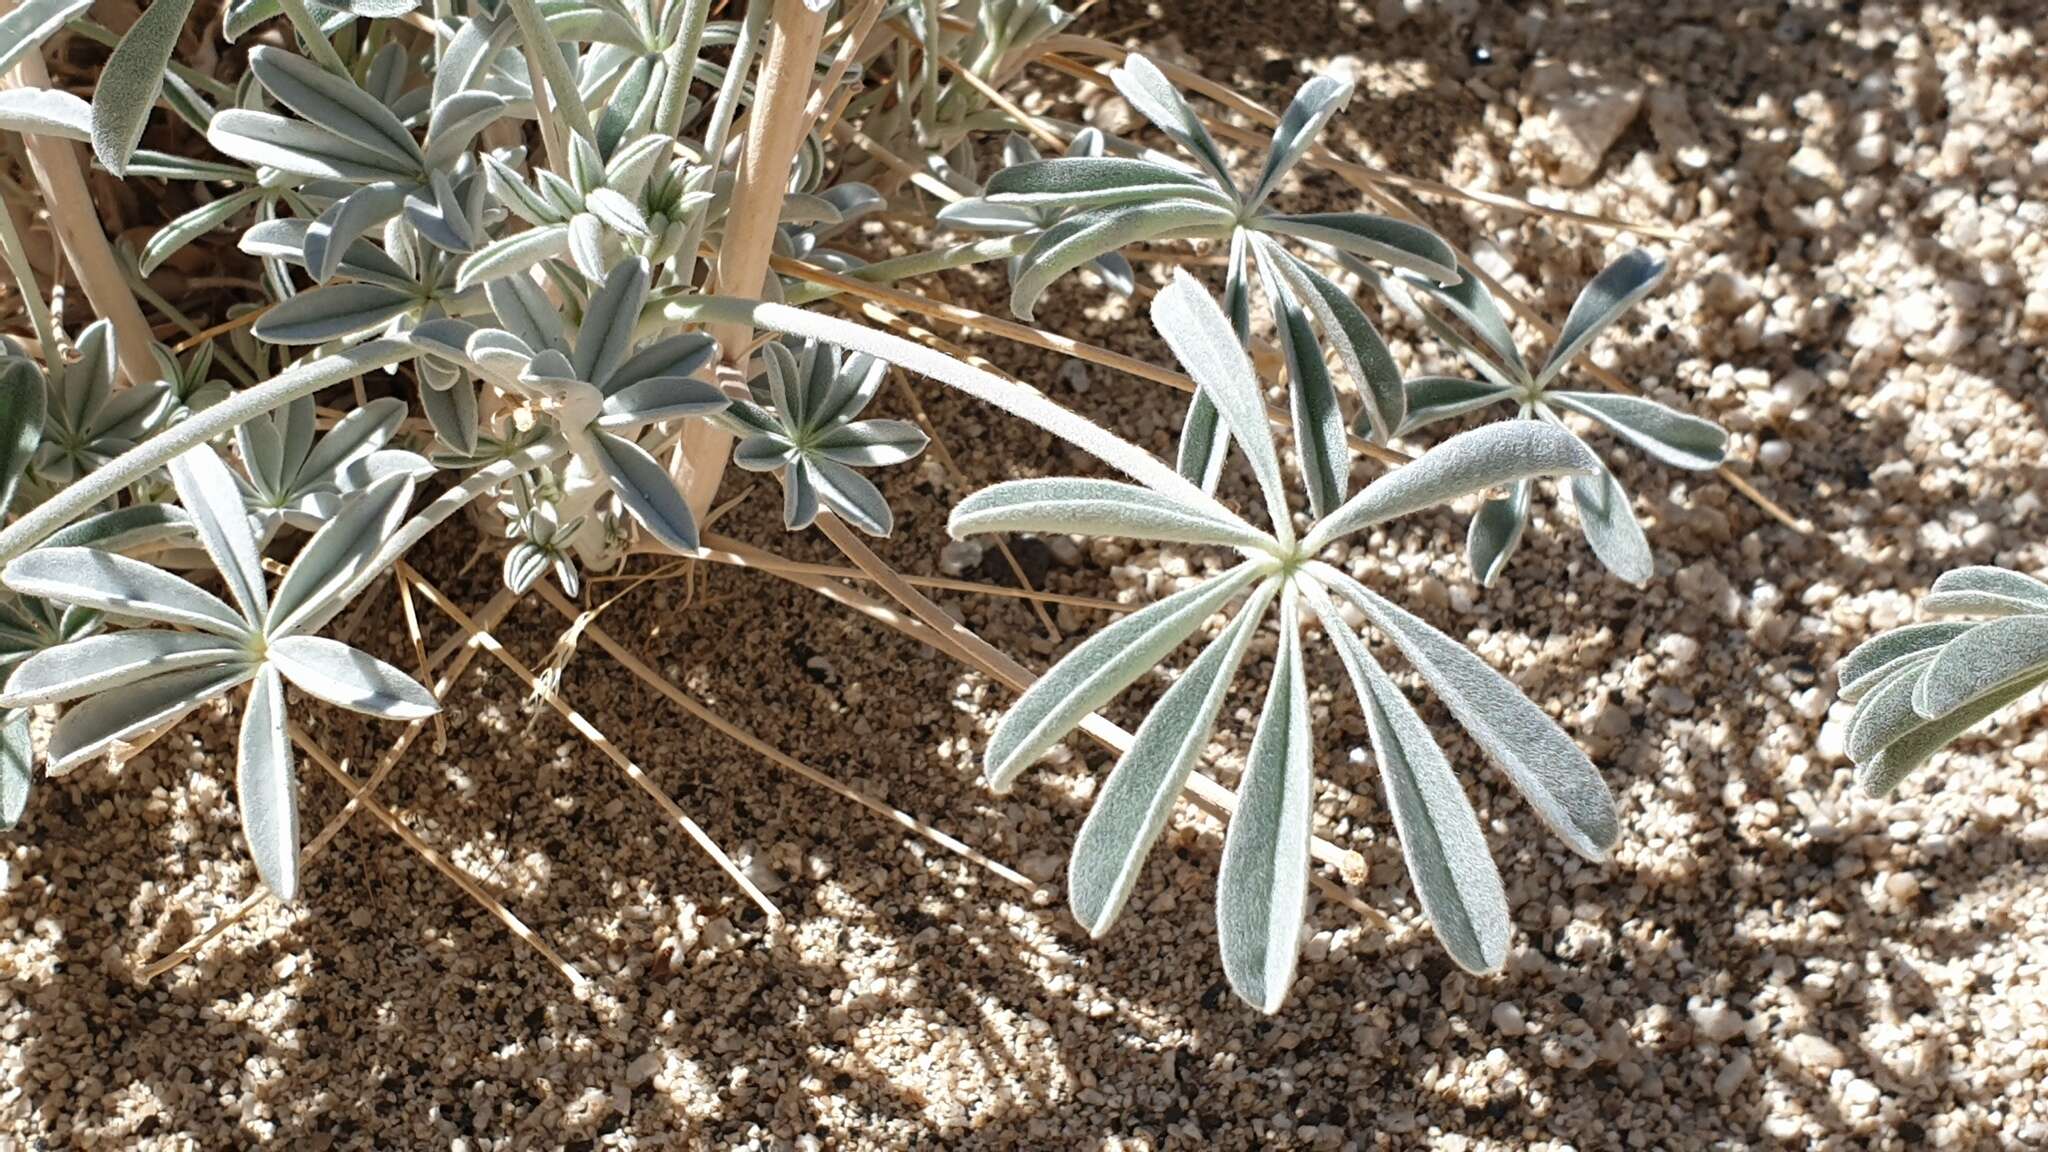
16, 253
681, 59
85, 493
776, 129
921, 264
533, 30
315, 40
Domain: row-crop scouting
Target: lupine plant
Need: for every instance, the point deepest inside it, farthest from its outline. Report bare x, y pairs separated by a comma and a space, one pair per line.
559, 265
1917, 689
1667, 436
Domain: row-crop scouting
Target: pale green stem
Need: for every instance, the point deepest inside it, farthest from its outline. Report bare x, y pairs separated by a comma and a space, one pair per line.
681, 59
921, 264
316, 40
561, 85
31, 293
85, 493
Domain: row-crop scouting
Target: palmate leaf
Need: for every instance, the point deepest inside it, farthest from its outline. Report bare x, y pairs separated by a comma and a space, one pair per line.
1611, 527
1087, 235
130, 81
1204, 342
1434, 398
646, 490
332, 312
1102, 666
1496, 531
1075, 182
335, 563
17, 766
174, 236
1396, 242
1542, 762
1617, 288
300, 148
267, 787
1668, 436
92, 726
1441, 840
337, 105
210, 496
351, 679
1153, 96
1135, 801
1357, 343
22, 405
98, 663
1314, 103
118, 586
1319, 438
1262, 885
1982, 661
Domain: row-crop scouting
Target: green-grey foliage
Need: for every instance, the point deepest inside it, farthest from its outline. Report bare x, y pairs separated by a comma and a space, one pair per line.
1265, 863
1482, 337
1917, 689
803, 425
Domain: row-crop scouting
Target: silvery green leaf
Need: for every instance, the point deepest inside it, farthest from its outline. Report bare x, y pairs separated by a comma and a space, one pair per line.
1086, 235
1103, 508
349, 678
334, 562
242, 16
1611, 527
1496, 532
338, 105
681, 355
646, 489
17, 767
629, 99
587, 247
846, 390
45, 112
1615, 290
363, 431
1358, 345
267, 788
1154, 97
455, 122
1877, 658
1262, 885
517, 195
89, 727
453, 413
1983, 660
786, 378
618, 213
634, 164
1441, 840
1313, 105
1132, 808
23, 30
345, 221
872, 443
1204, 342
446, 220
976, 214
1909, 750
1469, 462
1674, 438
1886, 711
606, 335
1204, 442
526, 312
22, 402
266, 139
331, 312
849, 494
1116, 273
799, 494
1546, 767
210, 496
1102, 666
660, 398
163, 166
1985, 591
1320, 444
97, 663
1434, 398
1471, 303
130, 80
513, 254
191, 226
119, 586
1070, 183
1389, 241
471, 51
122, 529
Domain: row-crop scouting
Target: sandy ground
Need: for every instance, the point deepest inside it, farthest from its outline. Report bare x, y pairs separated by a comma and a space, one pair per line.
1768, 959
